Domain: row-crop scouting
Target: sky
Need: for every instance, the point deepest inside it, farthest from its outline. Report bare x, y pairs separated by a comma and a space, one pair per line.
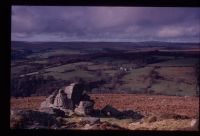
89, 23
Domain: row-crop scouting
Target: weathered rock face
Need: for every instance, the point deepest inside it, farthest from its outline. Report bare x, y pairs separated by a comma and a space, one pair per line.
84, 108
49, 101
61, 101
74, 93
195, 123
72, 97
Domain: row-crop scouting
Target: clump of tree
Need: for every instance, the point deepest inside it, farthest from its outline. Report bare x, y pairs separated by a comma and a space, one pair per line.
34, 85
17, 54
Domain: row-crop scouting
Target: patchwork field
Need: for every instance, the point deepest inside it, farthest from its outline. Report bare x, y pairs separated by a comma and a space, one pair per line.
150, 68
181, 62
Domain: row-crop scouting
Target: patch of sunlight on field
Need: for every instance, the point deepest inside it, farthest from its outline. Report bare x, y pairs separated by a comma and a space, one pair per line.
60, 68
186, 74
86, 63
65, 67
173, 88
18, 69
178, 62
69, 75
137, 78
110, 72
99, 67
53, 53
41, 61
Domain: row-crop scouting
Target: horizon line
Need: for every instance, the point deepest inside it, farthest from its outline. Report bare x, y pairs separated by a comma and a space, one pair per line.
109, 41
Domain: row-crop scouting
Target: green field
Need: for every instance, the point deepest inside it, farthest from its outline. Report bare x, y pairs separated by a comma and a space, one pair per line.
18, 69
178, 62
54, 53
137, 78
173, 88
70, 75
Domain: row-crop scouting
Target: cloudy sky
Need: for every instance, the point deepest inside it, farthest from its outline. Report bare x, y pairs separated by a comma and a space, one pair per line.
79, 23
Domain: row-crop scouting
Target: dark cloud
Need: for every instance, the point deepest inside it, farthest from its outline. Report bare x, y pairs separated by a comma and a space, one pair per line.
36, 23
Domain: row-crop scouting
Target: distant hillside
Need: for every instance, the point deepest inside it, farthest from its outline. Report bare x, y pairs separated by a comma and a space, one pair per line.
105, 44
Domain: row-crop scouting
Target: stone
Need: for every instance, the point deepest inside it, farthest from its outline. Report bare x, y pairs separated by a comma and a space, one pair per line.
70, 99
45, 104
36, 126
173, 116
49, 101
68, 112
74, 92
85, 97
84, 108
60, 100
132, 114
194, 123
91, 120
69, 90
108, 110
102, 126
53, 111
90, 127
34, 118
51, 98
134, 124
96, 113
151, 119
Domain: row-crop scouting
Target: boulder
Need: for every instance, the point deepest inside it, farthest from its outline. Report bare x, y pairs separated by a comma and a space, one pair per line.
102, 126
132, 114
37, 126
84, 108
72, 98
51, 98
30, 118
96, 113
45, 104
68, 112
151, 119
74, 92
60, 100
194, 123
49, 101
53, 111
108, 110
89, 127
69, 90
85, 97
173, 116
91, 120
67, 98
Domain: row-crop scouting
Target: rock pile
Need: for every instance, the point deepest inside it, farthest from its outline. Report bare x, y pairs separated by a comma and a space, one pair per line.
71, 101
32, 119
71, 98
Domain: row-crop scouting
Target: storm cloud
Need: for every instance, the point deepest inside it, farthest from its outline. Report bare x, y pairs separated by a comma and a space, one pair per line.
79, 23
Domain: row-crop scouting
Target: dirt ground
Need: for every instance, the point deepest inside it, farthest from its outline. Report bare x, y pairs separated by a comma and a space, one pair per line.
150, 104
146, 104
